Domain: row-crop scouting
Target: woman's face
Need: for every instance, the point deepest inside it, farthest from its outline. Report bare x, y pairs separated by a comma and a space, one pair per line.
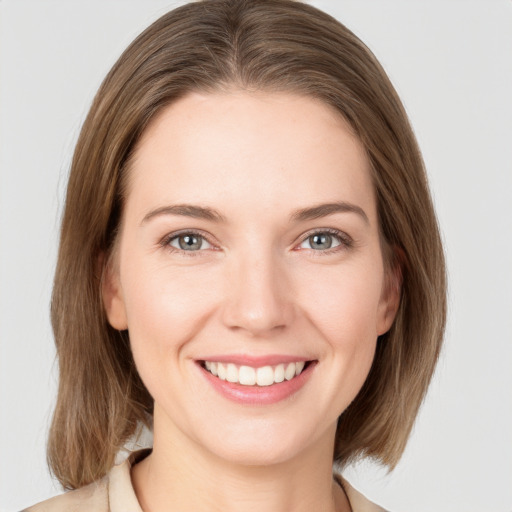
249, 248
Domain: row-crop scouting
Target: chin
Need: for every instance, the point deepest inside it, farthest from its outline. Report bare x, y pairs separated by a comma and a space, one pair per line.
262, 445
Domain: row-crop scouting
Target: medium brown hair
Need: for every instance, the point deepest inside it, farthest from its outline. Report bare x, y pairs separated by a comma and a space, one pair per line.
269, 45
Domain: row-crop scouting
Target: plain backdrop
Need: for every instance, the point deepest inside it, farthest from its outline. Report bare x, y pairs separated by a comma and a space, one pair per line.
451, 62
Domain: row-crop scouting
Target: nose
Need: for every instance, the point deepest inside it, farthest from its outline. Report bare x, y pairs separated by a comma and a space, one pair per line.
259, 296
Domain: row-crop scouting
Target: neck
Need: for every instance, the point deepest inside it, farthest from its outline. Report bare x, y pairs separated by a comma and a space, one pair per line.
181, 476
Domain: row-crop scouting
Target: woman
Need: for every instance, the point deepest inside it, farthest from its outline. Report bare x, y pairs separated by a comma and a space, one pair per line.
249, 263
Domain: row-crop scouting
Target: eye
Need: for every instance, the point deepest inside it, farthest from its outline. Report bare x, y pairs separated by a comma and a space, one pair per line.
188, 241
325, 240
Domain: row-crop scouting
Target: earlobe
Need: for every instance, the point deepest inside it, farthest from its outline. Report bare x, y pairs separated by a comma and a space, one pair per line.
112, 296
391, 294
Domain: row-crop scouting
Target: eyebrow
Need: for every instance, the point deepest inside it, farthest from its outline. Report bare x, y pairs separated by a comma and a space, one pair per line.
322, 210
187, 210
303, 214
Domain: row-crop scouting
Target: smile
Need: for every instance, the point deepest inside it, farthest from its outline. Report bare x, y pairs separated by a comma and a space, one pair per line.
250, 376
257, 381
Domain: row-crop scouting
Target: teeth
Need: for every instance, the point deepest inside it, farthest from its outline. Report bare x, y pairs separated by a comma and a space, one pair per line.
279, 373
248, 376
265, 376
221, 371
289, 373
232, 373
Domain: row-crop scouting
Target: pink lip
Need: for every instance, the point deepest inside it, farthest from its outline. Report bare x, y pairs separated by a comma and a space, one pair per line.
255, 361
258, 395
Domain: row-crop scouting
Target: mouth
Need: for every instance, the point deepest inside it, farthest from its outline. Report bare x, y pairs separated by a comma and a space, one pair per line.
262, 376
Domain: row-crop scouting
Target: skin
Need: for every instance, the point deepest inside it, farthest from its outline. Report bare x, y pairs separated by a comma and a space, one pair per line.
256, 286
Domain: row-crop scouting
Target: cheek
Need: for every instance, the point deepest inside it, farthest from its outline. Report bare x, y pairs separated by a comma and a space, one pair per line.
167, 304
166, 308
343, 306
344, 303
340, 304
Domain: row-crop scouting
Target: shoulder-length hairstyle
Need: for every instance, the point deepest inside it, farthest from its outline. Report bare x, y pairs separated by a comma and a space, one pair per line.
211, 45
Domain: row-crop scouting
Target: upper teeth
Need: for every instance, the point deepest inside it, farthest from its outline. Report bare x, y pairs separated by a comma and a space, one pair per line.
249, 376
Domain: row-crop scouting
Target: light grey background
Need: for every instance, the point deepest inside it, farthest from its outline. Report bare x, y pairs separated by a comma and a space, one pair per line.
451, 61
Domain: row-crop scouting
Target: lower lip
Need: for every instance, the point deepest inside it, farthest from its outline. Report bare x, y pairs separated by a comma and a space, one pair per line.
259, 395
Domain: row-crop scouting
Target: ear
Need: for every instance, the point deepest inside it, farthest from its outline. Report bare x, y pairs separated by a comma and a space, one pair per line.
112, 296
391, 291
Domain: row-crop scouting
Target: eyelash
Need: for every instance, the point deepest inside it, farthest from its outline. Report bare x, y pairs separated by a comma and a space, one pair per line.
345, 241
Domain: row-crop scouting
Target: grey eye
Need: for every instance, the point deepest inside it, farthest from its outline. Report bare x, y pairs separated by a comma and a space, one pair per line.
321, 241
189, 242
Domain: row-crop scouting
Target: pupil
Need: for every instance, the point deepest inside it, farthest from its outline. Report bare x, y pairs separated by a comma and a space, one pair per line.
321, 241
189, 242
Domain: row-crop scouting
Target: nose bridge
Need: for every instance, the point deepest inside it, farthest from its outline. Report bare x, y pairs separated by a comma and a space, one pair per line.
258, 299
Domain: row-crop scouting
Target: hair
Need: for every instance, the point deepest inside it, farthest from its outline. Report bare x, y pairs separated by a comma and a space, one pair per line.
207, 46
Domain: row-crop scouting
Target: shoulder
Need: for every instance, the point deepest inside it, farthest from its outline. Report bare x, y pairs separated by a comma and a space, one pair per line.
358, 502
113, 493
91, 498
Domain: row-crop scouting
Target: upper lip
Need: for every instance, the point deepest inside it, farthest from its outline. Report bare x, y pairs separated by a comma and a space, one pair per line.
255, 361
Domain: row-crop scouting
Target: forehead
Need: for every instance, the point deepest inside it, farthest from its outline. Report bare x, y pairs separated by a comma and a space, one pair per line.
252, 149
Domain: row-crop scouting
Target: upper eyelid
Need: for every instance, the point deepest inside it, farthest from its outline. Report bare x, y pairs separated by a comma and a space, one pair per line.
331, 231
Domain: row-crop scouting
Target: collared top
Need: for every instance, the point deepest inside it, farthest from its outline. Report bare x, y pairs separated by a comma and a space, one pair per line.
115, 493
